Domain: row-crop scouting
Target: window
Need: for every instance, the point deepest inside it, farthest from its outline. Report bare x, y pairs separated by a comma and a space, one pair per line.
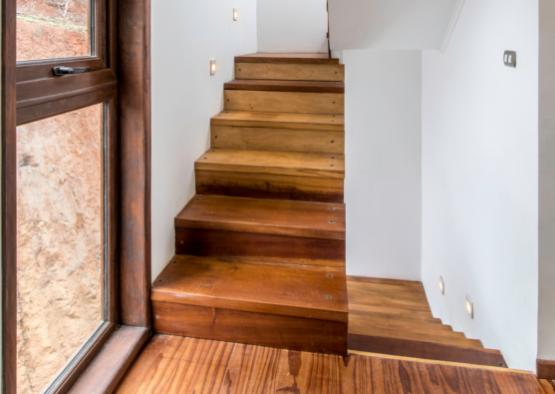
65, 161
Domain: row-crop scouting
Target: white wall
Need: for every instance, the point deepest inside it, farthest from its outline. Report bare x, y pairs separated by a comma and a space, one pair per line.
480, 177
185, 35
546, 329
292, 26
382, 188
391, 24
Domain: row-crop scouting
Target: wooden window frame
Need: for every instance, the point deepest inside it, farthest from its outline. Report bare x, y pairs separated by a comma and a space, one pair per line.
119, 74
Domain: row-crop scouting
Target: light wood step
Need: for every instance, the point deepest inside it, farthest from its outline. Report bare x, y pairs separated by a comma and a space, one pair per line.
278, 132
233, 300
238, 226
290, 71
291, 175
324, 122
290, 101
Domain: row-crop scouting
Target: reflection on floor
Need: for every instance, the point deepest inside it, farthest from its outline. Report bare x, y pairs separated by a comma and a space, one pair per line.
172, 364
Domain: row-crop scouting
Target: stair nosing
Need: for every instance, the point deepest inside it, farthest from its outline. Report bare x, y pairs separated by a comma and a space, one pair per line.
285, 86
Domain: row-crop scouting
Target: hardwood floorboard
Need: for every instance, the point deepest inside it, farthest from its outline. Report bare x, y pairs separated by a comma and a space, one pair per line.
173, 365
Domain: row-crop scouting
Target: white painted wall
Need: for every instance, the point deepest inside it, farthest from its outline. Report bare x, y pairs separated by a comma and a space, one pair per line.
391, 24
185, 35
546, 324
292, 26
382, 191
480, 177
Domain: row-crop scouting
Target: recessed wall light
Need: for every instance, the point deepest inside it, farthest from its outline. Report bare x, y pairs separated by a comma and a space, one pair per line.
469, 307
235, 14
213, 66
441, 285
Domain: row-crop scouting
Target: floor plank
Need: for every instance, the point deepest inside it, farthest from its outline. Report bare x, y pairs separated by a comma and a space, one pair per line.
183, 365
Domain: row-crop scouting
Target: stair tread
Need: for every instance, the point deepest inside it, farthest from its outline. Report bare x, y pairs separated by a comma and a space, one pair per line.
334, 122
273, 162
286, 86
237, 284
289, 57
283, 217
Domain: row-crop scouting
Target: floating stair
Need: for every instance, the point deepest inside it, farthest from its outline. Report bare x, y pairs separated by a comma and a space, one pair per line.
261, 247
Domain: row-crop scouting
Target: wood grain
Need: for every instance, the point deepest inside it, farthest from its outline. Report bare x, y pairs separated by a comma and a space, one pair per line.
240, 284
9, 198
184, 365
204, 242
329, 122
546, 369
134, 129
271, 139
292, 72
290, 102
263, 174
106, 371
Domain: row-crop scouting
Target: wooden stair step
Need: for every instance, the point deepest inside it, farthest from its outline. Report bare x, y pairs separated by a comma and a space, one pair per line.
285, 86
291, 57
327, 122
224, 225
293, 71
267, 174
278, 132
242, 301
299, 102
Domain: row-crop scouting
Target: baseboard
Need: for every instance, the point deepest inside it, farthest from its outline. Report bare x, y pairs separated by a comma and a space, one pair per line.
545, 369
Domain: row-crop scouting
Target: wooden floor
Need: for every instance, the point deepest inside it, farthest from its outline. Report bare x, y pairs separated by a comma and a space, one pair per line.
184, 365
393, 317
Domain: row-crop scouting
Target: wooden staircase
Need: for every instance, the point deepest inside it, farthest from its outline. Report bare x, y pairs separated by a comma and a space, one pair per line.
261, 247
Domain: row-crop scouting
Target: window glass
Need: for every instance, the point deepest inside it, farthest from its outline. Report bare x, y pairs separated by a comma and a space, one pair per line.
52, 29
60, 238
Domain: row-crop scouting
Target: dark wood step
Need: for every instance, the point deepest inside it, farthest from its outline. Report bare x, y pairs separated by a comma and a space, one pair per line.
271, 174
292, 306
285, 86
426, 350
223, 225
291, 58
326, 122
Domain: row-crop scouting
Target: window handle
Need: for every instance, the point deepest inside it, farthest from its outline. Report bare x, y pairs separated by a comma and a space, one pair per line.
65, 70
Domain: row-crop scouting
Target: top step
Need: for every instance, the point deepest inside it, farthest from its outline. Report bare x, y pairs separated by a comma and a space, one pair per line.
289, 67
287, 58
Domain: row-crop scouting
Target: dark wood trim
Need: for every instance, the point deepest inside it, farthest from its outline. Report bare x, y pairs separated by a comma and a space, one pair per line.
285, 86
425, 350
9, 198
134, 128
110, 365
82, 359
545, 369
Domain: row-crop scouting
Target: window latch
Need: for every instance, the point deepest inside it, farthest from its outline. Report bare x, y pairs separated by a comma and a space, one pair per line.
65, 70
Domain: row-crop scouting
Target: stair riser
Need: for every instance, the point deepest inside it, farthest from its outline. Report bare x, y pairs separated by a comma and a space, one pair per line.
290, 72
290, 102
202, 242
251, 328
259, 138
269, 186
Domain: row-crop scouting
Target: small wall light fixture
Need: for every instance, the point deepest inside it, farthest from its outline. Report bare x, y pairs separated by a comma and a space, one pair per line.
213, 66
235, 15
469, 306
441, 285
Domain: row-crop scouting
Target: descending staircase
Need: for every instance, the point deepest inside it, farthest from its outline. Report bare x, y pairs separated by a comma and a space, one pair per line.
261, 247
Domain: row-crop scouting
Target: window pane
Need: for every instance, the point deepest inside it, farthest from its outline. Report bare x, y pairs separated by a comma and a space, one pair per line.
60, 241
51, 29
